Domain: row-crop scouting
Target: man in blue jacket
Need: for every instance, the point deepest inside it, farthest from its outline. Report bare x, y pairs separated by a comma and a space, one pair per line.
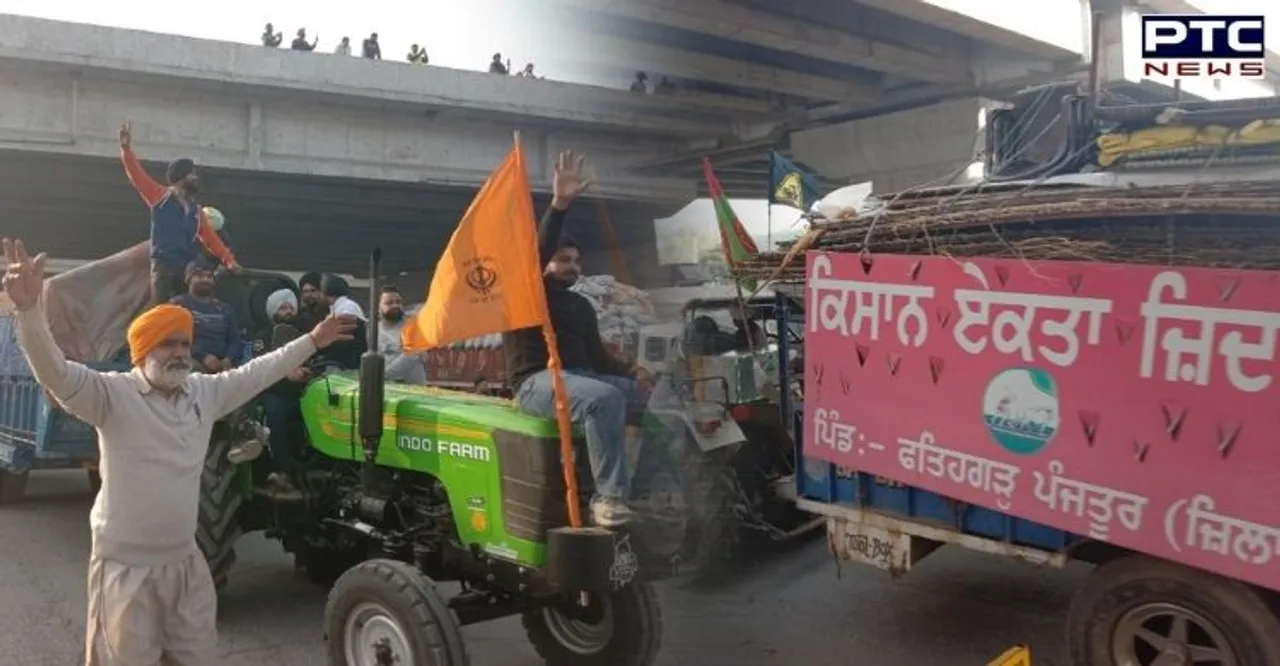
216, 342
175, 228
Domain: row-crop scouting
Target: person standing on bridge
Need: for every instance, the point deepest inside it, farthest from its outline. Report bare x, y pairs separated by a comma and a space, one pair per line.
151, 595
300, 42
271, 38
371, 49
497, 66
177, 222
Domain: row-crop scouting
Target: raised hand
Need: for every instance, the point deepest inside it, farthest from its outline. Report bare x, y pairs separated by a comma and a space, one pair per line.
569, 180
335, 328
126, 134
23, 275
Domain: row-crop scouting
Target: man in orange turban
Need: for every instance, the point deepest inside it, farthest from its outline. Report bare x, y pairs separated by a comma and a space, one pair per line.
160, 345
151, 596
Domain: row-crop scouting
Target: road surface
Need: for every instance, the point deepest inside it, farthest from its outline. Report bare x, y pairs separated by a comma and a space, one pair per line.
957, 608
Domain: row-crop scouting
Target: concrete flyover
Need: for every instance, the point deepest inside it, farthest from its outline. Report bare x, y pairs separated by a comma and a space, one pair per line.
889, 90
313, 158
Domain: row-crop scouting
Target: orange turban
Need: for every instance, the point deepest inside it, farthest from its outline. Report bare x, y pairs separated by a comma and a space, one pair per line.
154, 327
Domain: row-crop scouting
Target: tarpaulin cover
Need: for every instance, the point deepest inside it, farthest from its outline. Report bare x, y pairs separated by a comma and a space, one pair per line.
89, 307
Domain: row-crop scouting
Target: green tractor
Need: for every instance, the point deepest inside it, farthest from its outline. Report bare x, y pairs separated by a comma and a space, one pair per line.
406, 486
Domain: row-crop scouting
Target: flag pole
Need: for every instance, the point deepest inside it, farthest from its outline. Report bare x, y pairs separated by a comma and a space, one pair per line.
563, 423
768, 239
768, 203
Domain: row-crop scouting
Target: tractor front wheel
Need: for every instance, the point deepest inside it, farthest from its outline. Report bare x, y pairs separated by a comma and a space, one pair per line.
388, 612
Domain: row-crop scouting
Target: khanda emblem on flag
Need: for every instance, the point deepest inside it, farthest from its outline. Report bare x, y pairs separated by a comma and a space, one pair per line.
482, 277
790, 191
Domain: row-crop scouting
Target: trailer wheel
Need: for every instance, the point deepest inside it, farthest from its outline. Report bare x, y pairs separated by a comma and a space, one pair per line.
1143, 611
12, 487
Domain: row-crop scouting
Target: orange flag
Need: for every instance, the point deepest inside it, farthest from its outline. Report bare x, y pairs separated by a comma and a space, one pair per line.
490, 281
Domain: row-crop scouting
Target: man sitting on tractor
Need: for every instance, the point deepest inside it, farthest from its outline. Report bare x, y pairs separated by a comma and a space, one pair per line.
282, 401
602, 390
217, 333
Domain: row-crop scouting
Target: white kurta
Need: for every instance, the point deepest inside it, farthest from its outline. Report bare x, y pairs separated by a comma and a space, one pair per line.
150, 591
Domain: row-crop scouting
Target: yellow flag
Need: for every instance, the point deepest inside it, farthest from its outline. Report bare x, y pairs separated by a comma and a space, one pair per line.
1018, 655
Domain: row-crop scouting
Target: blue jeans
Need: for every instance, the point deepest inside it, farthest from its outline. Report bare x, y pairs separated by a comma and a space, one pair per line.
601, 405
279, 412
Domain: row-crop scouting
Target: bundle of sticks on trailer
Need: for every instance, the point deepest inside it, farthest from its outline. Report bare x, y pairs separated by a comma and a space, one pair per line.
1075, 366
480, 365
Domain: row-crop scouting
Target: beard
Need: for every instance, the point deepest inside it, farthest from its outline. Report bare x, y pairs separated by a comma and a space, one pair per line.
565, 280
394, 316
167, 376
190, 188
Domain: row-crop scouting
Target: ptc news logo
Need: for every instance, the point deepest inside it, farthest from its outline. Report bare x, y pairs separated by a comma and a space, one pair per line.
1203, 46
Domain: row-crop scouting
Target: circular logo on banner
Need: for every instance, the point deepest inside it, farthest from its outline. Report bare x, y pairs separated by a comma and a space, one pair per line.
1020, 408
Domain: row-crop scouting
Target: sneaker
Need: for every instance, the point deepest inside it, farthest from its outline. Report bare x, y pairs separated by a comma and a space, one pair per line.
610, 512
279, 487
245, 452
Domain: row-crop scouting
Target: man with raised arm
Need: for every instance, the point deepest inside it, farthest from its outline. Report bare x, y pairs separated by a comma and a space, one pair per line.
177, 221
603, 391
151, 595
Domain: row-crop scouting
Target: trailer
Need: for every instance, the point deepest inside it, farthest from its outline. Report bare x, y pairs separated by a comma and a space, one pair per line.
89, 308
34, 433
1118, 411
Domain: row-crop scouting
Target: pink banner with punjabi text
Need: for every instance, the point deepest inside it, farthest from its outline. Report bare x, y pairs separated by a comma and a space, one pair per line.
1132, 404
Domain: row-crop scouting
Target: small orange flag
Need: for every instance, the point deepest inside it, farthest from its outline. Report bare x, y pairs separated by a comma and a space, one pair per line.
488, 280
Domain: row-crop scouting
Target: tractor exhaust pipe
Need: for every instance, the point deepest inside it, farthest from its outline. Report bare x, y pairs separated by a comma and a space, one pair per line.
372, 382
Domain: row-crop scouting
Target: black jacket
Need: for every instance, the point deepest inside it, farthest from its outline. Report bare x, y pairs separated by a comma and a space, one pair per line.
572, 318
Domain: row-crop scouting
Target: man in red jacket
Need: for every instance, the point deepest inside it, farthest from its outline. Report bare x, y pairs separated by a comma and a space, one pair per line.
168, 274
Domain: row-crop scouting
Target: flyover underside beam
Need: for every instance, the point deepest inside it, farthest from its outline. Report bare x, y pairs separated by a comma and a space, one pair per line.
619, 51
767, 30
78, 116
941, 14
300, 241
599, 108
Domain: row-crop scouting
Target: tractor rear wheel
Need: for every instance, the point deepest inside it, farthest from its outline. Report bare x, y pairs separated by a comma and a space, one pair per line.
622, 629
218, 524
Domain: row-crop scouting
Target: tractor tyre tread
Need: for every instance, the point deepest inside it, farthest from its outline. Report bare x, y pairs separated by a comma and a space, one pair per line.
218, 525
1239, 610
637, 621
411, 597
